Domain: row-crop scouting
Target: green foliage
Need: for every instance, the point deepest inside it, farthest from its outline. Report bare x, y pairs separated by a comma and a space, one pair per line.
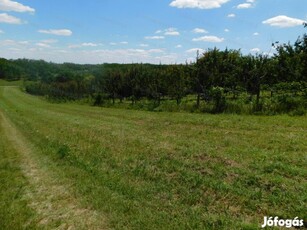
36, 88
9, 70
217, 95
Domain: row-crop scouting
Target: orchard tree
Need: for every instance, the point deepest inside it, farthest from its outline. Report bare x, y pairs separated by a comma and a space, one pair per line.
254, 72
177, 82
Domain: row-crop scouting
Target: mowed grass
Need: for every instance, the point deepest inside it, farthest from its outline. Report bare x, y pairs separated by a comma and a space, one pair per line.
147, 170
14, 210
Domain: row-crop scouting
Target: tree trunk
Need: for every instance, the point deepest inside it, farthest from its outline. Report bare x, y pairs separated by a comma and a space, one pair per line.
178, 101
198, 100
257, 100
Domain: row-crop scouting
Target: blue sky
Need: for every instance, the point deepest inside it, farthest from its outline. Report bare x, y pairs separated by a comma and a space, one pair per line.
148, 31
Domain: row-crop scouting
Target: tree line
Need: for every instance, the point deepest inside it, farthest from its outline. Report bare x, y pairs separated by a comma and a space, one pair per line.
218, 81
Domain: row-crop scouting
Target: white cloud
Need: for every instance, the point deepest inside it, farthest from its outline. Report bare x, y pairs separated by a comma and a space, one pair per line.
154, 37
74, 46
168, 58
43, 45
231, 15
255, 50
1, 32
244, 6
200, 31
200, 4
61, 32
84, 55
13, 43
7, 42
5, 18
23, 42
226, 30
89, 44
14, 49
283, 21
166, 32
248, 4
208, 39
256, 34
85, 44
195, 50
129, 55
113, 43
124, 43
8, 5
178, 46
49, 41
171, 32
144, 45
155, 51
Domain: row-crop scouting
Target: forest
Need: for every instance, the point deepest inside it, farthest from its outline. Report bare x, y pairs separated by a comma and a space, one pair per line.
218, 81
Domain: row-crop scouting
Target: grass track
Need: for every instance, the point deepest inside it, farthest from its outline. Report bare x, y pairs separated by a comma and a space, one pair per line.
147, 170
14, 210
45, 196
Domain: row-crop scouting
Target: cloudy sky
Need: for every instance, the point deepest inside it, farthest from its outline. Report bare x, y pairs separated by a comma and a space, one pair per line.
154, 31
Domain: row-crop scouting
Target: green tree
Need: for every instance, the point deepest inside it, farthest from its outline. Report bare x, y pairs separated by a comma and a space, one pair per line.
177, 82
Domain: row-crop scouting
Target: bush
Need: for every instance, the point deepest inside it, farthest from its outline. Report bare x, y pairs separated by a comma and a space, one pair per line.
217, 95
36, 88
287, 103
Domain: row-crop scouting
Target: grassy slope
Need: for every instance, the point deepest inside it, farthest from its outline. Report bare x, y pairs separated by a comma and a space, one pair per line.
170, 170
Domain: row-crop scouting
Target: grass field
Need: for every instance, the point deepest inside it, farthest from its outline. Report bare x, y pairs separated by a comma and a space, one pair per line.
67, 165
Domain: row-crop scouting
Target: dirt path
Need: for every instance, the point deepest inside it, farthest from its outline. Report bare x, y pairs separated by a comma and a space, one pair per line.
55, 206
